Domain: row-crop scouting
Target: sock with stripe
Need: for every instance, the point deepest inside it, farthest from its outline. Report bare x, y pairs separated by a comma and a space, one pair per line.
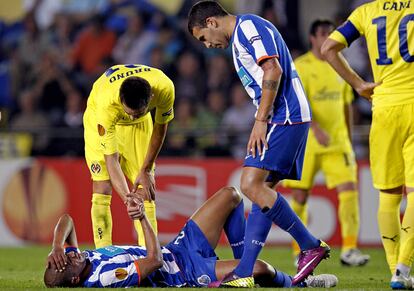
257, 229
390, 226
101, 220
348, 213
283, 216
301, 211
407, 235
234, 228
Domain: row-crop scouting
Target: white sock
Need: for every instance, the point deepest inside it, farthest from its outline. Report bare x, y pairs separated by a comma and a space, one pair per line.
404, 269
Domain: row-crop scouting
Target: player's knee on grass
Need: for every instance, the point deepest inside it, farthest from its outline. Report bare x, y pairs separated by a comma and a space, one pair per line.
234, 195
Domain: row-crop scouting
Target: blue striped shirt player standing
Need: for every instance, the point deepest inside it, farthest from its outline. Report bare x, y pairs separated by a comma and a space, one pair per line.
275, 149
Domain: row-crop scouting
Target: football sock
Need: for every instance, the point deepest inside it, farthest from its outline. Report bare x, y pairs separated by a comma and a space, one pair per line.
283, 216
282, 280
101, 220
348, 213
152, 218
234, 228
257, 229
301, 211
390, 226
404, 269
407, 233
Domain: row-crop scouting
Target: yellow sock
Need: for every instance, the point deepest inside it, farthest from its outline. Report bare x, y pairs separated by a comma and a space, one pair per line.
301, 211
152, 217
407, 233
389, 226
348, 213
101, 220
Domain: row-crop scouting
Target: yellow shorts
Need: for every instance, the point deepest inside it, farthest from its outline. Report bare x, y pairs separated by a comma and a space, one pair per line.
132, 141
391, 142
337, 167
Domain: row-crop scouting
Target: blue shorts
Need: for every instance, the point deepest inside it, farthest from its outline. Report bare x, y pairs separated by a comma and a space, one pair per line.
194, 255
284, 157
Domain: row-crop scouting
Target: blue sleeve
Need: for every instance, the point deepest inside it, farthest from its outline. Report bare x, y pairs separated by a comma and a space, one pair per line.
258, 39
349, 31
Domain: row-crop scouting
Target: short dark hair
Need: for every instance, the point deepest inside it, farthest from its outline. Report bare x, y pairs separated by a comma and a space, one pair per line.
135, 92
203, 10
319, 23
52, 278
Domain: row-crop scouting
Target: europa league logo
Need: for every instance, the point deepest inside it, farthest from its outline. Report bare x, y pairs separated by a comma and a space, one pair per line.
33, 200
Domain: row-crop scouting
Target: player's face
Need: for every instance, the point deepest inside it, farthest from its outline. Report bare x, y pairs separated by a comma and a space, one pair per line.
135, 113
211, 36
77, 263
322, 33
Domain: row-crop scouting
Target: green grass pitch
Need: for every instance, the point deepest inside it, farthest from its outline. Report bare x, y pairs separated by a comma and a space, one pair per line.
22, 268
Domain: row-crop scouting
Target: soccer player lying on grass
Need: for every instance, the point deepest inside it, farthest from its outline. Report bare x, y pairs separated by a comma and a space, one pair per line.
188, 260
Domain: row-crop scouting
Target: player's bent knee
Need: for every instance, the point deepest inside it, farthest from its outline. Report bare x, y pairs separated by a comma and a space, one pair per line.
234, 195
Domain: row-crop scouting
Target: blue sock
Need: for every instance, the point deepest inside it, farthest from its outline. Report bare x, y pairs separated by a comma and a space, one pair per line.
257, 229
234, 228
282, 215
282, 280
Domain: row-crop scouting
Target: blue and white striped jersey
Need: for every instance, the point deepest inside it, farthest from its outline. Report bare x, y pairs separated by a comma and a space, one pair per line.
115, 266
254, 39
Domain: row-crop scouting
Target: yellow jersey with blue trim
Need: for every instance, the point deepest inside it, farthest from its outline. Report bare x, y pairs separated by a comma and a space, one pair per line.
104, 104
388, 27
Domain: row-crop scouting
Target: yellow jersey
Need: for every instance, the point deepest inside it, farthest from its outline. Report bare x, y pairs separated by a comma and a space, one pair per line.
388, 26
105, 105
328, 94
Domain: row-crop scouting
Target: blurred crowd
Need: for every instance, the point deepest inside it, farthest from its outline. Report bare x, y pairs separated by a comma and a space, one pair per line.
50, 59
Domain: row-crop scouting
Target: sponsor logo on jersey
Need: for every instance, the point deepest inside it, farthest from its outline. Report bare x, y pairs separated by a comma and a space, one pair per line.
121, 274
254, 38
168, 113
96, 168
204, 280
244, 77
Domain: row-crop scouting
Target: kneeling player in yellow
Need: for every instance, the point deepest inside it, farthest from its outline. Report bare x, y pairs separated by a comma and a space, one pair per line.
328, 147
121, 139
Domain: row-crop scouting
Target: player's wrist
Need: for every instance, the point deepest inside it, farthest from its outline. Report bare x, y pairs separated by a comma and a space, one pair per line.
262, 120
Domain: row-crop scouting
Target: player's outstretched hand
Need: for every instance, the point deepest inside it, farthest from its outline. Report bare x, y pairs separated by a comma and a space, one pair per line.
366, 89
57, 259
135, 207
146, 181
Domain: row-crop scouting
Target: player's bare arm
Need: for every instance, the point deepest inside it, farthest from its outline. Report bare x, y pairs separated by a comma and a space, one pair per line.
146, 175
153, 260
64, 233
271, 79
331, 52
117, 177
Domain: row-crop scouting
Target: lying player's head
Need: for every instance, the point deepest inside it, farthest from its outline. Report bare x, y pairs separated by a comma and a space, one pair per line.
319, 31
135, 94
70, 277
203, 24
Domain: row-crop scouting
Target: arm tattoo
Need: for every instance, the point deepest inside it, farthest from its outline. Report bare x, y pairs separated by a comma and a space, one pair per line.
270, 85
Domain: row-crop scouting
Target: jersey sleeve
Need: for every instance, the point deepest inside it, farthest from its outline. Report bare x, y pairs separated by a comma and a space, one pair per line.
351, 29
303, 75
257, 39
164, 111
106, 117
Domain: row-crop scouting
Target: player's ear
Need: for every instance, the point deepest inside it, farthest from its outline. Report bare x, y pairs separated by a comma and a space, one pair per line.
211, 22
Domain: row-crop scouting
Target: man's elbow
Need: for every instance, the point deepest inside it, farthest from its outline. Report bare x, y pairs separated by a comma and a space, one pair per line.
157, 261
325, 49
